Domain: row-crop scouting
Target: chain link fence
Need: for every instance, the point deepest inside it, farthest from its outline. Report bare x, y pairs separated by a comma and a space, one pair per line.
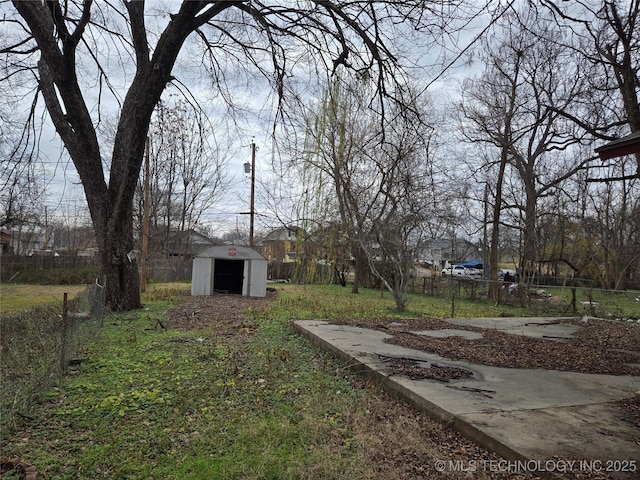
37, 346
579, 297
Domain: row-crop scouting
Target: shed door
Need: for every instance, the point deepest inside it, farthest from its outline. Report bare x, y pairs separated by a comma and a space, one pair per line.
228, 275
201, 277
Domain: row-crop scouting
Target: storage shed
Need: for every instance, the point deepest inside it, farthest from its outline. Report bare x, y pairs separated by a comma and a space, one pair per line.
229, 269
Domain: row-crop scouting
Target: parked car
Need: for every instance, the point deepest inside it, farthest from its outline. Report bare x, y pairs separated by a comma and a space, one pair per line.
460, 271
474, 272
455, 270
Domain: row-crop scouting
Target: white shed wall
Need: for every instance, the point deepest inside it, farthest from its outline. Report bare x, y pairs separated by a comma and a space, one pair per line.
202, 276
256, 272
254, 283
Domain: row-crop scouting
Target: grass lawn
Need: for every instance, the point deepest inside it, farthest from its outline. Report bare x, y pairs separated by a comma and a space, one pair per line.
156, 403
232, 399
15, 298
333, 301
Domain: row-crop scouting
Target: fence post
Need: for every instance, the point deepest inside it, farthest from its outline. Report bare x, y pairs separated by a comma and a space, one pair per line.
97, 307
65, 319
453, 297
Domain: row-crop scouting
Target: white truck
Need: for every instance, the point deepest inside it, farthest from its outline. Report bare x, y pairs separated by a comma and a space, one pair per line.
460, 271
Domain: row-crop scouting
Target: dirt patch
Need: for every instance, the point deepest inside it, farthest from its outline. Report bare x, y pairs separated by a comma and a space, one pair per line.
403, 443
227, 313
419, 371
631, 411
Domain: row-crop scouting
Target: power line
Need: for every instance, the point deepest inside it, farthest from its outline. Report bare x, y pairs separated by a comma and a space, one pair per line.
465, 49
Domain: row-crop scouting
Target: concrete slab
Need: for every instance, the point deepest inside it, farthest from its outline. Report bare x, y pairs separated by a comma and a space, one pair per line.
539, 327
519, 413
450, 332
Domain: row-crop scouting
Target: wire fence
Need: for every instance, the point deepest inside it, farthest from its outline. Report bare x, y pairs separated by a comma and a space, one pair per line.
37, 346
578, 297
75, 270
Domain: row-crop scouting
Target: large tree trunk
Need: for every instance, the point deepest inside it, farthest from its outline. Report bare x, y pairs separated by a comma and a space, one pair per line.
494, 255
528, 263
119, 269
111, 205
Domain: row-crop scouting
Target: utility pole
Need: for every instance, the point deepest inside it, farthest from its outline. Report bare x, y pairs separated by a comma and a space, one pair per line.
46, 229
252, 211
485, 237
253, 193
251, 168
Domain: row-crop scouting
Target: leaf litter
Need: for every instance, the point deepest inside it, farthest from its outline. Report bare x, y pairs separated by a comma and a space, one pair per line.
401, 442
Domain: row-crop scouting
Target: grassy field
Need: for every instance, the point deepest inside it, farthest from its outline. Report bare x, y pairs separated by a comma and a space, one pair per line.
232, 400
17, 297
327, 300
332, 301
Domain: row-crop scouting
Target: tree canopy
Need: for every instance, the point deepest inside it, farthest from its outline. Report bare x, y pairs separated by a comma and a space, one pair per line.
76, 55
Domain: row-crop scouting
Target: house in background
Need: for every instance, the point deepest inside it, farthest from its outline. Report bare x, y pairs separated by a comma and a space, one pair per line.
184, 244
5, 242
27, 239
441, 253
79, 240
285, 245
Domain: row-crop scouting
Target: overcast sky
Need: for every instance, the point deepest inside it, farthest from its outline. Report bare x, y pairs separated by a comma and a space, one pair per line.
443, 70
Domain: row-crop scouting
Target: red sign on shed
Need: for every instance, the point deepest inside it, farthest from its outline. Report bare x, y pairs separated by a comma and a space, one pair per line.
232, 251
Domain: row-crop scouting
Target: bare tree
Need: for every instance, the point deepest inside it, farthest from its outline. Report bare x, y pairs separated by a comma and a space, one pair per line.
612, 228
598, 236
398, 216
187, 172
20, 193
374, 176
606, 37
335, 166
487, 113
64, 43
524, 77
22, 185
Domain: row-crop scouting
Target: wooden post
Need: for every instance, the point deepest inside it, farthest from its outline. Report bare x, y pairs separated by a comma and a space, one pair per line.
453, 297
253, 193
